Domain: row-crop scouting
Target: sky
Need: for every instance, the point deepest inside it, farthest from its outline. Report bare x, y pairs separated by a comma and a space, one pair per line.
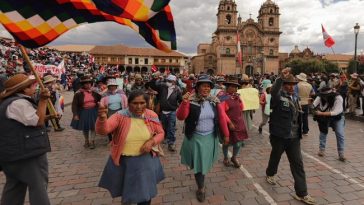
195, 21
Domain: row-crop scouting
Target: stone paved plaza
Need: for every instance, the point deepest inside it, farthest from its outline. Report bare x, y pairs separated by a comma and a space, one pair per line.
74, 172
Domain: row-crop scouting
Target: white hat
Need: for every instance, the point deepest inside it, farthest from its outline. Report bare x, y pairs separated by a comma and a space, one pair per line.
302, 77
172, 78
354, 76
112, 81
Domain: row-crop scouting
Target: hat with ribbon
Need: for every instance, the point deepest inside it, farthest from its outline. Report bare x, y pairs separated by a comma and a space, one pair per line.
86, 79
111, 82
15, 84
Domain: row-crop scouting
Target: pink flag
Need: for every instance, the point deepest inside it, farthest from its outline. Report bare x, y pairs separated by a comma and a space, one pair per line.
329, 41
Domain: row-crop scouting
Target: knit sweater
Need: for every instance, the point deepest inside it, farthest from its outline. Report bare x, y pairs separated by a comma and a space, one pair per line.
119, 125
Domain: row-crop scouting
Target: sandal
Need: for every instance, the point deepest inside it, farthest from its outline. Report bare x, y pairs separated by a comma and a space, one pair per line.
227, 163
235, 162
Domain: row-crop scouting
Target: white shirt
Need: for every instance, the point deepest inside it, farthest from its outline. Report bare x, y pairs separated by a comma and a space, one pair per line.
22, 111
335, 110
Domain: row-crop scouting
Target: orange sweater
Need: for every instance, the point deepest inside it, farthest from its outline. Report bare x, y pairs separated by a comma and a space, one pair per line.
119, 125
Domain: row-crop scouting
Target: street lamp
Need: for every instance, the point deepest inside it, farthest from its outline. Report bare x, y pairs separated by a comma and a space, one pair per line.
356, 31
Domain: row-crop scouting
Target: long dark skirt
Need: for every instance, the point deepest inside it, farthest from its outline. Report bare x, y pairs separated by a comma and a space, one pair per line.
87, 120
135, 180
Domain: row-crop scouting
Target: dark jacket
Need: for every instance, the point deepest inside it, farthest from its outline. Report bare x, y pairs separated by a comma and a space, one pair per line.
19, 141
78, 99
193, 117
171, 103
283, 117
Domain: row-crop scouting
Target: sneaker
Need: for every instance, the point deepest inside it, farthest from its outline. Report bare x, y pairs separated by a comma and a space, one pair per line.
260, 130
271, 180
342, 157
172, 148
306, 199
321, 153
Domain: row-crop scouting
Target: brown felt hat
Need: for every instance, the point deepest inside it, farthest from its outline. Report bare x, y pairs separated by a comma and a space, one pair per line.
290, 80
16, 84
232, 81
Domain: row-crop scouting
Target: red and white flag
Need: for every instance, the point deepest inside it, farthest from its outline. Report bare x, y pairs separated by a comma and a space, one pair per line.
329, 41
239, 53
154, 69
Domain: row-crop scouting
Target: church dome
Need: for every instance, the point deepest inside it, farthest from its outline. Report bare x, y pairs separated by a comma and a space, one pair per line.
295, 50
268, 2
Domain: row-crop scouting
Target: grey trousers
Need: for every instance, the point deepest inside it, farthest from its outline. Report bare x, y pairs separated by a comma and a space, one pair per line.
292, 147
29, 173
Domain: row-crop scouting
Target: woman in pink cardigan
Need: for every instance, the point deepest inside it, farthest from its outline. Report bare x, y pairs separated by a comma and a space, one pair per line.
205, 122
133, 169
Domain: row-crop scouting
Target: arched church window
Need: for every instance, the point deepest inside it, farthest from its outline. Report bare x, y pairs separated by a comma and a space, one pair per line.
271, 21
271, 52
271, 11
228, 8
227, 51
228, 19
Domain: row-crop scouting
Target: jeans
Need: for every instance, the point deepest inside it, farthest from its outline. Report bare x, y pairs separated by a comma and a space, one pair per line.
292, 147
305, 109
169, 126
339, 129
236, 150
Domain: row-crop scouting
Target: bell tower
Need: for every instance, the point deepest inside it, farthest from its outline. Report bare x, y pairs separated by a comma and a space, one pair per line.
227, 14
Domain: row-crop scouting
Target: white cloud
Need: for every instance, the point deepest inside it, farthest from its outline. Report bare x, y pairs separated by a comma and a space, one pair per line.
196, 21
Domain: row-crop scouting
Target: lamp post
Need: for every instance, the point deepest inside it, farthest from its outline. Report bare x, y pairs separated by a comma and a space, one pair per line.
356, 31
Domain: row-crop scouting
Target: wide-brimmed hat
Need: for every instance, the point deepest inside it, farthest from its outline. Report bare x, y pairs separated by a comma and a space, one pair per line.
245, 78
171, 78
302, 77
204, 79
220, 79
138, 76
48, 79
232, 81
112, 81
326, 90
290, 79
86, 79
16, 84
354, 76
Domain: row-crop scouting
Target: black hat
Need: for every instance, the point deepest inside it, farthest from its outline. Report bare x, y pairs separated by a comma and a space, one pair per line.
290, 79
232, 81
86, 79
204, 79
326, 90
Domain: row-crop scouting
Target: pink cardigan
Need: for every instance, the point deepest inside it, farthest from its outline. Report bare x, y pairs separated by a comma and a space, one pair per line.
119, 125
184, 110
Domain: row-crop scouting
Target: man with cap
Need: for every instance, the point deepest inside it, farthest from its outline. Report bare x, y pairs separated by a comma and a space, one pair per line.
170, 96
305, 92
333, 81
285, 127
24, 145
329, 113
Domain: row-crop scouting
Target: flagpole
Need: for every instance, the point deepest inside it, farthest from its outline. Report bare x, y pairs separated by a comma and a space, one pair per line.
50, 106
332, 49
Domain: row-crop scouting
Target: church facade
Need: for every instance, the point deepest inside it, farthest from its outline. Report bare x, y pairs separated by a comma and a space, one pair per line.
259, 42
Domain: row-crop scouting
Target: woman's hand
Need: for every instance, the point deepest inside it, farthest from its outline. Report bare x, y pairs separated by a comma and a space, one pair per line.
226, 141
147, 146
102, 113
186, 97
231, 126
76, 117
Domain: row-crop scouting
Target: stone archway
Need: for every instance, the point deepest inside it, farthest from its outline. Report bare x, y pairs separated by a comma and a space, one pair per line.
137, 69
129, 69
144, 69
121, 68
162, 69
249, 70
176, 70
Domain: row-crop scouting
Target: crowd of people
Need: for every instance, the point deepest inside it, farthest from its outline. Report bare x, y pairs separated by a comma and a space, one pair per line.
138, 112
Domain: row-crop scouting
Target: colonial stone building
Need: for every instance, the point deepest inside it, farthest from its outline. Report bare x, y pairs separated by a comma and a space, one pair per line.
259, 42
139, 59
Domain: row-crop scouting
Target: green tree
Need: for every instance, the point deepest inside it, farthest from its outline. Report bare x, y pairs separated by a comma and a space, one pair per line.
351, 67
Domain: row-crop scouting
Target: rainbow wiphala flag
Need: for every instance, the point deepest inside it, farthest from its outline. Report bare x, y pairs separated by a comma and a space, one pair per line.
35, 23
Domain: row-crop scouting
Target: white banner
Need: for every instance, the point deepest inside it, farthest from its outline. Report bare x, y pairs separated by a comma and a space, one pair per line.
55, 70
